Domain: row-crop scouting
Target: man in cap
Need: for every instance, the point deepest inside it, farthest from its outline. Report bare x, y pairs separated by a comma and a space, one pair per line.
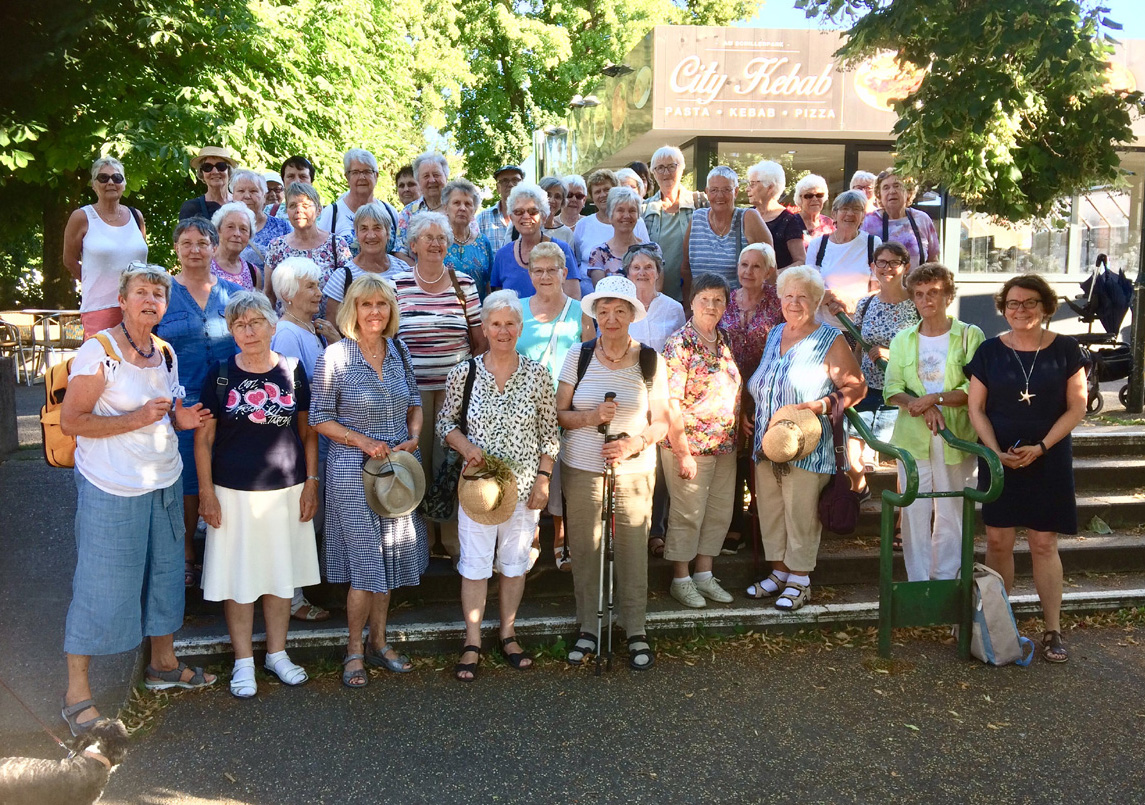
494, 222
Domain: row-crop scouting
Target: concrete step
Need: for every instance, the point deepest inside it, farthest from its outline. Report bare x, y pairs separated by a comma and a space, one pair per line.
1093, 474
1108, 440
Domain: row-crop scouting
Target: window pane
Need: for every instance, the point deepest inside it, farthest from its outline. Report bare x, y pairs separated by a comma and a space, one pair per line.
988, 247
797, 159
1110, 218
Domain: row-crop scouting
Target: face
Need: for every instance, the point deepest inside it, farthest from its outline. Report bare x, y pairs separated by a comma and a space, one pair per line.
252, 331
721, 192
556, 199
888, 268
460, 208
194, 250
811, 200
215, 173
893, 194
545, 274
599, 192
372, 236
109, 182
930, 299
613, 316
866, 187
631, 182
625, 216
752, 271
430, 179
301, 211
234, 232
708, 306
526, 215
758, 192
145, 303
431, 245
667, 171
373, 315
304, 303
642, 270
502, 329
506, 181
361, 178
249, 194
274, 193
293, 174
407, 189
848, 218
798, 304
1024, 310
575, 200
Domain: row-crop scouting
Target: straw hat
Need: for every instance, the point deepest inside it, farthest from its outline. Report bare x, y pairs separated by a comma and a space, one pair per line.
793, 433
613, 287
485, 498
213, 152
394, 485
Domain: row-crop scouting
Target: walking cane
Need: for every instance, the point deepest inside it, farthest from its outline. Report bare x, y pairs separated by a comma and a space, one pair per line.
608, 486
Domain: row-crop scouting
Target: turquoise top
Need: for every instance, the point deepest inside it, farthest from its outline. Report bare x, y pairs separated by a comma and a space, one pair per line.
535, 337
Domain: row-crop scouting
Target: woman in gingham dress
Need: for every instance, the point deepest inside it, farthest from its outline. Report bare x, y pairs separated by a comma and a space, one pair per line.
365, 401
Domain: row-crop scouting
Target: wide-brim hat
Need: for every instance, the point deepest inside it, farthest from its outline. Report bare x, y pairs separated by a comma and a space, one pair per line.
213, 152
613, 287
485, 496
394, 485
793, 433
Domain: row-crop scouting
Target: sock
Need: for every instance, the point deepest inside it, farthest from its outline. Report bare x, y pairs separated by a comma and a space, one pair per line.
296, 601
793, 578
272, 659
769, 586
701, 577
683, 580
245, 662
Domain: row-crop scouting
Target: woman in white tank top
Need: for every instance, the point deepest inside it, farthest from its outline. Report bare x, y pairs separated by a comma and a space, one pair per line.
100, 241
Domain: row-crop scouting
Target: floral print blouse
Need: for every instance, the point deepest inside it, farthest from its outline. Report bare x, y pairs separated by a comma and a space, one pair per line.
707, 385
879, 322
747, 330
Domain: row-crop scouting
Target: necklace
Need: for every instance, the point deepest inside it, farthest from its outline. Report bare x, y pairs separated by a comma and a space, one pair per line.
362, 348
600, 348
468, 237
723, 234
115, 217
142, 354
711, 340
521, 251
305, 324
1026, 396
433, 281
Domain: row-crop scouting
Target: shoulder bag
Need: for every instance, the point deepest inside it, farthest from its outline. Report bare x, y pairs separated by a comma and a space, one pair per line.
838, 505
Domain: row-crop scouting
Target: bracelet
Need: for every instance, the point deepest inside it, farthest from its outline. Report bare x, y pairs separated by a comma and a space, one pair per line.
312, 478
545, 473
346, 437
1042, 445
643, 442
826, 405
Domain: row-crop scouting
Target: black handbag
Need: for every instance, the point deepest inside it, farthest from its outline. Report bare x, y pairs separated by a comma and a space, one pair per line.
838, 504
440, 501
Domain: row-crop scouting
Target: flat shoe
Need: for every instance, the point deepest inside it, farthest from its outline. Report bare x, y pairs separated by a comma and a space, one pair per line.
351, 678
585, 644
70, 711
757, 590
516, 658
398, 665
165, 680
712, 591
310, 613
288, 672
1053, 650
243, 684
794, 602
639, 649
686, 593
467, 667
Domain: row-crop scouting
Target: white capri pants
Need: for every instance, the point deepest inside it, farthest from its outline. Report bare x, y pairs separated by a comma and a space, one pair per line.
507, 545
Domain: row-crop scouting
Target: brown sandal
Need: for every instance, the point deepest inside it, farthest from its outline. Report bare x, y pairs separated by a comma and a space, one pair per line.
1053, 650
656, 547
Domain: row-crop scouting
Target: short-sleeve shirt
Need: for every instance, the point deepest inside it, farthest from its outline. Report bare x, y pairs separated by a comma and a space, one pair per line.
298, 342
199, 335
508, 273
255, 252
784, 227
707, 386
665, 316
494, 227
846, 269
435, 327
879, 322
590, 232
257, 447
563, 332
336, 287
475, 259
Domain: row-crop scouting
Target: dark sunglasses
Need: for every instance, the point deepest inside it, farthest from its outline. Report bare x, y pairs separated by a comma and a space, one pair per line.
207, 167
577, 195
814, 195
114, 178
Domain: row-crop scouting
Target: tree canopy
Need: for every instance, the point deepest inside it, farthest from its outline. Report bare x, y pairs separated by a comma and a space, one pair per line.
1015, 110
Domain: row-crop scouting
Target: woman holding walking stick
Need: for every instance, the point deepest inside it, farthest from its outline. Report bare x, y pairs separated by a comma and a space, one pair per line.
638, 418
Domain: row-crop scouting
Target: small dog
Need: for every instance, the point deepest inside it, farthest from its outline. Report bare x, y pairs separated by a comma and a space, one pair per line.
78, 780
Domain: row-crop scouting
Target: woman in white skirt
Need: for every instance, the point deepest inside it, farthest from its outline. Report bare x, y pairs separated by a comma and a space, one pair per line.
258, 478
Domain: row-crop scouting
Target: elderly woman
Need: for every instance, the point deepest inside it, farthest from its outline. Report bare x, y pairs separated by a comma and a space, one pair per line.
258, 490
372, 233
440, 326
100, 241
234, 222
699, 457
512, 416
576, 193
431, 172
275, 192
864, 182
528, 206
804, 364
644, 173
307, 240
365, 401
844, 257
895, 221
636, 419
213, 167
810, 199
753, 309
470, 253
632, 180
558, 193
129, 498
1027, 394
196, 327
925, 379
250, 188
361, 170
623, 211
668, 213
766, 182
593, 230
716, 235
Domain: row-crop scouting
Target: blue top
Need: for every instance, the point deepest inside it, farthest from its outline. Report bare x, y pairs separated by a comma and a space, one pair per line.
474, 259
508, 273
535, 337
799, 375
709, 253
199, 336
255, 252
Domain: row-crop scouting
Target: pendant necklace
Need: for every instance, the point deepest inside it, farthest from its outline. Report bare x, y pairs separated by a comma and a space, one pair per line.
142, 354
1026, 396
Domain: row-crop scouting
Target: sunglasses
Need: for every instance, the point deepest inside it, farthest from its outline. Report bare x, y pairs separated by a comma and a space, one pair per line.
577, 195
114, 178
814, 195
207, 167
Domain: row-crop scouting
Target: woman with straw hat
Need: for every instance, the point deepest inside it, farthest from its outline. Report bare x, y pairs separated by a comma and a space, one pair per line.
213, 166
804, 364
500, 415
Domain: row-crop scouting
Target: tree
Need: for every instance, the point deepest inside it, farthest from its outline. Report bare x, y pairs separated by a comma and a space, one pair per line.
1014, 111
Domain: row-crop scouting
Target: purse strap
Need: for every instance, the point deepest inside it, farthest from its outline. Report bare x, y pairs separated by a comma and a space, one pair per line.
840, 438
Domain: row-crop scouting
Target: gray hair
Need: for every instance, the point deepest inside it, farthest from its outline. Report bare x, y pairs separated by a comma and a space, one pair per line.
461, 186
649, 250
423, 221
304, 189
764, 249
145, 272
725, 172
807, 276
711, 282
359, 155
628, 173
434, 157
230, 208
506, 299
621, 195
863, 176
105, 162
287, 276
811, 181
669, 151
575, 180
769, 174
253, 176
530, 191
850, 198
200, 225
245, 302
374, 211
552, 182
548, 250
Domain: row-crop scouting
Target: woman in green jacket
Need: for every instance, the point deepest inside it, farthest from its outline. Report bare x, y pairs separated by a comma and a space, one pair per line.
925, 379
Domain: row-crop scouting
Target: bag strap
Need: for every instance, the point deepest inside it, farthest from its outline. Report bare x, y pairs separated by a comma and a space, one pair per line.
822, 251
136, 215
253, 276
840, 439
553, 336
917, 237
347, 282
221, 384
870, 248
203, 206
466, 394
583, 361
457, 288
334, 234
737, 222
887, 225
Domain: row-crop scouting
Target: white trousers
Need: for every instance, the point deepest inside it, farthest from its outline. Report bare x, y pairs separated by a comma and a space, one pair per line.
935, 553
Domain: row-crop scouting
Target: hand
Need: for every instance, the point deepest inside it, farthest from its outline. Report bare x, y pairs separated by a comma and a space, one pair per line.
688, 468
473, 455
209, 508
619, 449
1011, 460
605, 412
919, 406
327, 330
819, 406
407, 446
833, 303
1026, 455
372, 447
154, 410
747, 425
877, 353
190, 418
539, 497
934, 420
309, 502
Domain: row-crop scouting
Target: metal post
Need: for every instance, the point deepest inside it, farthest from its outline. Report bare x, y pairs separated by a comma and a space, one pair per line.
1137, 337
886, 579
966, 580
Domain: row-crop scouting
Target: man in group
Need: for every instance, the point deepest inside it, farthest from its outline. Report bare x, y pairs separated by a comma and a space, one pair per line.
294, 169
406, 184
494, 222
362, 177
431, 174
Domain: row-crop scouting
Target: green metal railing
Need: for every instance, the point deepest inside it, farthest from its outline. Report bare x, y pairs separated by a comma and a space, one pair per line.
939, 601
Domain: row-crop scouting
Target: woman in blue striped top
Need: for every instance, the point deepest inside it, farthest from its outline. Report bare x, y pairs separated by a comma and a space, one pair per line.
803, 363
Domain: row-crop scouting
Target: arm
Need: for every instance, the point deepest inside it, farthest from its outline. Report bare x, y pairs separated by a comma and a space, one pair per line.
1075, 397
657, 429
548, 437
74, 234
84, 391
679, 439
571, 419
309, 436
844, 374
208, 504
797, 250
754, 229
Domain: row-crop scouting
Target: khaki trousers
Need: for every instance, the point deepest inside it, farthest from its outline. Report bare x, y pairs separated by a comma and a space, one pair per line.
701, 510
789, 515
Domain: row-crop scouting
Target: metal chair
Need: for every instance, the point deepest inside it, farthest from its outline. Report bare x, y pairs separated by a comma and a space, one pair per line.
18, 339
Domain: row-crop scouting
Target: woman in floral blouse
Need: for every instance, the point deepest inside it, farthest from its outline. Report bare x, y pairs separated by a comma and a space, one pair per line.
699, 456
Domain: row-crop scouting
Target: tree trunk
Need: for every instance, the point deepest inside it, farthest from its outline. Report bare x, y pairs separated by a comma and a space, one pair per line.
59, 286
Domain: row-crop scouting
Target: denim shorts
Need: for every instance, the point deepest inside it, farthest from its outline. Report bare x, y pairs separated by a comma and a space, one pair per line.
128, 582
878, 417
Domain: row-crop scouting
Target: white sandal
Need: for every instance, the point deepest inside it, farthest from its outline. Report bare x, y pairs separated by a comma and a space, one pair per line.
788, 602
243, 684
758, 591
288, 672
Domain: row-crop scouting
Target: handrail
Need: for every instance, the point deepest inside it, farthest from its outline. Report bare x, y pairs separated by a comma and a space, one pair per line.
907, 496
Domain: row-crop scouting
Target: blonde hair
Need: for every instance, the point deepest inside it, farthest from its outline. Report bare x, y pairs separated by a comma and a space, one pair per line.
549, 250
364, 287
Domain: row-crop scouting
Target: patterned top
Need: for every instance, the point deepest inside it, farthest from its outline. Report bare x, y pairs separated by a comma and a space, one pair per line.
435, 327
798, 375
403, 219
496, 229
475, 259
708, 387
900, 231
326, 256
745, 335
603, 259
244, 279
260, 241
823, 226
879, 322
516, 425
714, 254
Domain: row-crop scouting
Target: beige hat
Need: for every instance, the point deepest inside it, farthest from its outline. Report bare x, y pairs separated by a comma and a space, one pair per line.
394, 485
213, 152
485, 496
793, 433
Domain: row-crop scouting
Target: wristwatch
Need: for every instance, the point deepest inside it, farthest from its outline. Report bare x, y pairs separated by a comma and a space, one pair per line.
940, 398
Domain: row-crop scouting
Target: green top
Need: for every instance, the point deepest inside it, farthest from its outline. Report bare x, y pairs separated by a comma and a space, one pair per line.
911, 432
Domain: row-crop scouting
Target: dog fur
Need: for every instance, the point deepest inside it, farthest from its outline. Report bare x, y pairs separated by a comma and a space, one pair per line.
77, 780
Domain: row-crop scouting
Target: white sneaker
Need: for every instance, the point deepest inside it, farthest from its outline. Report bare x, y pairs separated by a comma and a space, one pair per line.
686, 593
712, 590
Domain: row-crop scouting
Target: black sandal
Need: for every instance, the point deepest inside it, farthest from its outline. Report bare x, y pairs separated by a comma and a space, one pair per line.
516, 658
467, 667
638, 648
1053, 650
896, 541
584, 645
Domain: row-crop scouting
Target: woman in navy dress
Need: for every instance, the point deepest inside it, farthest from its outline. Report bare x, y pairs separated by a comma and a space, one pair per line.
1027, 393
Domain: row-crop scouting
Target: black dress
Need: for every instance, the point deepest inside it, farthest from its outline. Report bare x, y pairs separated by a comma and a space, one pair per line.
784, 227
1039, 496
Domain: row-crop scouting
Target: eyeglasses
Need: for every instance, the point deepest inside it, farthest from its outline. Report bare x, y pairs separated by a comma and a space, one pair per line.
889, 263
253, 324
669, 167
115, 178
580, 196
1028, 304
530, 213
544, 272
814, 195
357, 174
208, 167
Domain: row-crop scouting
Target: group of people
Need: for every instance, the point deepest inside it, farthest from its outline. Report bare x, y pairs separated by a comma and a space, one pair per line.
311, 373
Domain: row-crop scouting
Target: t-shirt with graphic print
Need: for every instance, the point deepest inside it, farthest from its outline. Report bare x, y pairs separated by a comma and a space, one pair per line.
257, 446
932, 351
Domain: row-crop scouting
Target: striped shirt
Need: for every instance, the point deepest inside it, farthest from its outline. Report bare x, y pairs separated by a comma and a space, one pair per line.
708, 253
435, 327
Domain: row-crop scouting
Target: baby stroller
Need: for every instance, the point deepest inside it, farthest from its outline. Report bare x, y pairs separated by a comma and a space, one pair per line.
1106, 298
